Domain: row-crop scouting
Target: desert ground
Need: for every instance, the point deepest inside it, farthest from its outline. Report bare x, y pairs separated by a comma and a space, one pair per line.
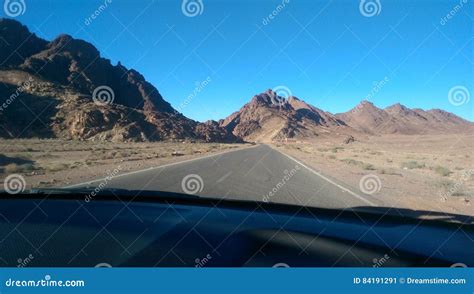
432, 172
59, 163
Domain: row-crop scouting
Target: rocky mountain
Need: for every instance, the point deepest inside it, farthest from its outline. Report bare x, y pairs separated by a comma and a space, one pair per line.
399, 119
48, 90
269, 117
64, 89
364, 117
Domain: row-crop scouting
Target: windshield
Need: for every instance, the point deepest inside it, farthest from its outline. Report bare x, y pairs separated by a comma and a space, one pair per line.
310, 103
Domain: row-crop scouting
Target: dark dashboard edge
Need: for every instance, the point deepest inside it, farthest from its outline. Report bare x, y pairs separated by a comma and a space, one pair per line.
361, 214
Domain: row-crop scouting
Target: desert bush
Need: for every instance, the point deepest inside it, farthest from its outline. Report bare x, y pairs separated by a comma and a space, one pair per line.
442, 171
445, 184
352, 161
335, 149
54, 167
389, 171
368, 166
18, 168
413, 164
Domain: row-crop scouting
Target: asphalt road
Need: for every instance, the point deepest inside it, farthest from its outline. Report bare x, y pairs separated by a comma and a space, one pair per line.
257, 173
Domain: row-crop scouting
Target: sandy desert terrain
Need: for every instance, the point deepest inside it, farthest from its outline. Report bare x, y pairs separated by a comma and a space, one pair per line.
59, 163
434, 172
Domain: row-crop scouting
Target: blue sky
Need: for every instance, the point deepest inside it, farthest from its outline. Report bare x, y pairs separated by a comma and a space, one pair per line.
327, 53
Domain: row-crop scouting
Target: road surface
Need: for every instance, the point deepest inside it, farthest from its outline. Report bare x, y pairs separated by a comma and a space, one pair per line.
258, 173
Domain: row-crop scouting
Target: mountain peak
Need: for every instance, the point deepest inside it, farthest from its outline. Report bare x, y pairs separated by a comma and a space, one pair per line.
269, 117
365, 103
399, 119
63, 38
134, 109
8, 23
397, 108
139, 112
268, 98
366, 106
65, 42
16, 38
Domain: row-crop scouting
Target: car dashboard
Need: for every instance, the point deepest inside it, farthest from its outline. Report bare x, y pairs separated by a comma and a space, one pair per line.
65, 231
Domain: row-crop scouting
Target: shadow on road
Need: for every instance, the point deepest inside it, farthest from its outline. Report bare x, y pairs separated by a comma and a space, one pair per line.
418, 214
